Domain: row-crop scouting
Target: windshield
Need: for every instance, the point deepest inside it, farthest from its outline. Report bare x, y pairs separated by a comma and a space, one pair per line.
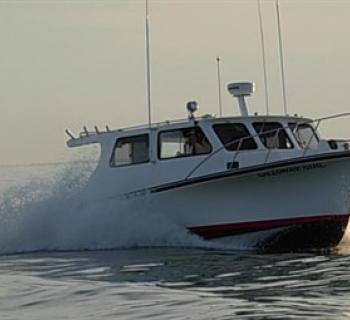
305, 135
234, 136
272, 135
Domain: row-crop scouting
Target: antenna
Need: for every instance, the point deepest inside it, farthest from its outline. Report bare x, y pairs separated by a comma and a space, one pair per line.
148, 66
281, 58
218, 59
263, 57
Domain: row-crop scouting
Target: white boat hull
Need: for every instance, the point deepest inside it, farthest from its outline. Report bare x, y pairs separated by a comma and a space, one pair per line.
303, 200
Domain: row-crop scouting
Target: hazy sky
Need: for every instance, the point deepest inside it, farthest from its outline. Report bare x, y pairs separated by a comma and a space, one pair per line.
64, 64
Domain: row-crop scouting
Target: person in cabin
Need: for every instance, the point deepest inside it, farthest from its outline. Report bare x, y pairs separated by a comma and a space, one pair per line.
196, 143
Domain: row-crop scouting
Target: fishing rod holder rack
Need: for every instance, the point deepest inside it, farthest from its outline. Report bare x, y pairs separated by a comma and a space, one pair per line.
87, 133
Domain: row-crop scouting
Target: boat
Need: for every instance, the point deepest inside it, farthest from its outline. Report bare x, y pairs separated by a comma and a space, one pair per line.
224, 177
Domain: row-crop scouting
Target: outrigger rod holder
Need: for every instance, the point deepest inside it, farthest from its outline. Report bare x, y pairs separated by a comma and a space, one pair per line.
240, 90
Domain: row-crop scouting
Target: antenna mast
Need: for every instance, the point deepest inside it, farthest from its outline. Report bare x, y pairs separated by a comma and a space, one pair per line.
218, 59
148, 67
281, 58
263, 57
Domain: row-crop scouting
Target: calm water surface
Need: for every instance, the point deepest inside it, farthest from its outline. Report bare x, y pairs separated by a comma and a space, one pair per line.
184, 282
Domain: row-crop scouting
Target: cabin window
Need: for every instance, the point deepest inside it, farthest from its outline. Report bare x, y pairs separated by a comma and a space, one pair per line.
183, 143
131, 150
272, 135
234, 136
305, 135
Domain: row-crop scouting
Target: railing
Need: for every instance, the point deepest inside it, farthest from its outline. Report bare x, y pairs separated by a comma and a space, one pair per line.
318, 122
86, 132
276, 132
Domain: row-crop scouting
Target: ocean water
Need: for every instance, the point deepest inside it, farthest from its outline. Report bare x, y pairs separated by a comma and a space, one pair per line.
63, 259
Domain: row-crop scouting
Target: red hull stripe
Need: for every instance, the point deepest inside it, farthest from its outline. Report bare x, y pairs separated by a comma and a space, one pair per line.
221, 230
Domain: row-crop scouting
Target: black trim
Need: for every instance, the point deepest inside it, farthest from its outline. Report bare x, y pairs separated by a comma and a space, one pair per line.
232, 165
251, 169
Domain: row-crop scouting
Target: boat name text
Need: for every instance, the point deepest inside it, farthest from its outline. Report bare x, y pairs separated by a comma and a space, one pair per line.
298, 169
134, 194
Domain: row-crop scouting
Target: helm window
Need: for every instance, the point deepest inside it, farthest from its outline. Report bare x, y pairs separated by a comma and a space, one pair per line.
183, 143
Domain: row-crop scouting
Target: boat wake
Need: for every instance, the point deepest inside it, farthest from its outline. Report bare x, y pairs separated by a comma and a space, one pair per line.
50, 214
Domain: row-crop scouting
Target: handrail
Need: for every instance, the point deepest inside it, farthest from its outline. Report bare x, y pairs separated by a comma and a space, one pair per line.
334, 116
274, 140
309, 141
237, 151
240, 140
276, 133
318, 121
228, 144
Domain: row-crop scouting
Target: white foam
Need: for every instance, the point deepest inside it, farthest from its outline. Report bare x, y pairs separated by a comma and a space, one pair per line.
49, 213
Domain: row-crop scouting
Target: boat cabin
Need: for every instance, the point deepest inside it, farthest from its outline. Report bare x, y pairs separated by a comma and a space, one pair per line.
172, 151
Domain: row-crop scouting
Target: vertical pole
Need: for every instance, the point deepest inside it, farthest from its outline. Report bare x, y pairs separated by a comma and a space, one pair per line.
281, 58
219, 84
263, 58
148, 66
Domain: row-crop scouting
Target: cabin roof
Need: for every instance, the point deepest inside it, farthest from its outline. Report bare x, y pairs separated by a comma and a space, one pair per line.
88, 137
